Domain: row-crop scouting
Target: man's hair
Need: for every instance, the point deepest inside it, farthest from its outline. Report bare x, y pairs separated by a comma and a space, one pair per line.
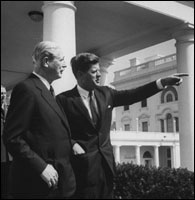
83, 62
44, 49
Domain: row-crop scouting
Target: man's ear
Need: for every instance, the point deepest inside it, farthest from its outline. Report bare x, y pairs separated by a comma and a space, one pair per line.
45, 62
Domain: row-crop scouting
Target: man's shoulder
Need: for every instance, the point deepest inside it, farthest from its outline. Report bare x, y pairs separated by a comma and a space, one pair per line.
68, 93
26, 84
104, 89
74, 92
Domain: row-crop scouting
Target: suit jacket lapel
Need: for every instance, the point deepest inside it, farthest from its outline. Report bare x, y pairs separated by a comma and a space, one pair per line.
101, 104
49, 99
80, 105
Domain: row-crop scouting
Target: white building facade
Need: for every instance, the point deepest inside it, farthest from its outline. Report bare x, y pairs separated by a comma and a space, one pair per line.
147, 132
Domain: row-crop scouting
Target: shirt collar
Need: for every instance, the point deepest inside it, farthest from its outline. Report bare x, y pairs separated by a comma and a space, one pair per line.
45, 82
84, 93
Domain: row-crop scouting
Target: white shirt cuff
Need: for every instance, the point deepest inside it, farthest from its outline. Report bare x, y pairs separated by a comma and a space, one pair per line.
159, 84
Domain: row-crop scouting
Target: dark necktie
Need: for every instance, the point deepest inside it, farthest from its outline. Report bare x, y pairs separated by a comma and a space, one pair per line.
52, 91
93, 109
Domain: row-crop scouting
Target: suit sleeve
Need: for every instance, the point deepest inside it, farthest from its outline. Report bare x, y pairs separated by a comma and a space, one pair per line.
17, 125
128, 97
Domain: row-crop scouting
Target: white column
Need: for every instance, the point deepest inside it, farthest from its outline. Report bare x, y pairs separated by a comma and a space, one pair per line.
105, 63
175, 156
117, 153
137, 154
185, 63
156, 156
59, 27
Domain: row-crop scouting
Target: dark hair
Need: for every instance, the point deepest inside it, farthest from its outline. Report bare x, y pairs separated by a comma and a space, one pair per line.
83, 62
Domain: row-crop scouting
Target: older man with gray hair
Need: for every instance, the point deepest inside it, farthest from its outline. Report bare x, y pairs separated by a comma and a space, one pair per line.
37, 133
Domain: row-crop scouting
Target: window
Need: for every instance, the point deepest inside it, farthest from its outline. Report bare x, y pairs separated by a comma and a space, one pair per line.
144, 103
162, 125
169, 94
147, 154
127, 127
177, 124
148, 163
169, 163
168, 153
126, 107
169, 120
145, 126
169, 97
147, 158
168, 157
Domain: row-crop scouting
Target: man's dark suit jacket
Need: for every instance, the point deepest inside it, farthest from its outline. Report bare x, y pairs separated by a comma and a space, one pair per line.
96, 140
37, 133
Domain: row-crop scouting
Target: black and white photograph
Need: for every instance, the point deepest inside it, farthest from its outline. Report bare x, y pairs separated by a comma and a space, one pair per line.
97, 99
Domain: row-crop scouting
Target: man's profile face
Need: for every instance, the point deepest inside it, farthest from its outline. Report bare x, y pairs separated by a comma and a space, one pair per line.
57, 65
91, 78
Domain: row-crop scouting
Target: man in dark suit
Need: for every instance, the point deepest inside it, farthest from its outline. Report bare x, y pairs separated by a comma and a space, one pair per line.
89, 110
37, 133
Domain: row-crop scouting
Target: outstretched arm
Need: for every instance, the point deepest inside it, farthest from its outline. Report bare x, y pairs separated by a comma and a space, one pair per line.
128, 97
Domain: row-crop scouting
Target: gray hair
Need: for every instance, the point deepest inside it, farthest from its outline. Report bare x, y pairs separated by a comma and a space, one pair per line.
44, 49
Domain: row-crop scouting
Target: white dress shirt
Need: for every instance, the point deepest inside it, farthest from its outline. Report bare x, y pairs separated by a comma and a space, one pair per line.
85, 98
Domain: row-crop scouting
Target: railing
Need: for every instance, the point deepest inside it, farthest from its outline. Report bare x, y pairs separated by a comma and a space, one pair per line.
145, 66
166, 59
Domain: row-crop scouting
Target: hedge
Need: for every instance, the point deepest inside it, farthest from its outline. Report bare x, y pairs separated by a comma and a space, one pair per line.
140, 182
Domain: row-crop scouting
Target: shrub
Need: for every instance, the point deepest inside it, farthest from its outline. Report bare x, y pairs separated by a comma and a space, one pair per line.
140, 182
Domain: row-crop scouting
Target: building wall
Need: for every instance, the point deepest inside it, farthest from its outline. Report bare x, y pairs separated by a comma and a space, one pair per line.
155, 110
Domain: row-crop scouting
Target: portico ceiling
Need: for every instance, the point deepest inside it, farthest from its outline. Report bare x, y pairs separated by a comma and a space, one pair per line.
108, 28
